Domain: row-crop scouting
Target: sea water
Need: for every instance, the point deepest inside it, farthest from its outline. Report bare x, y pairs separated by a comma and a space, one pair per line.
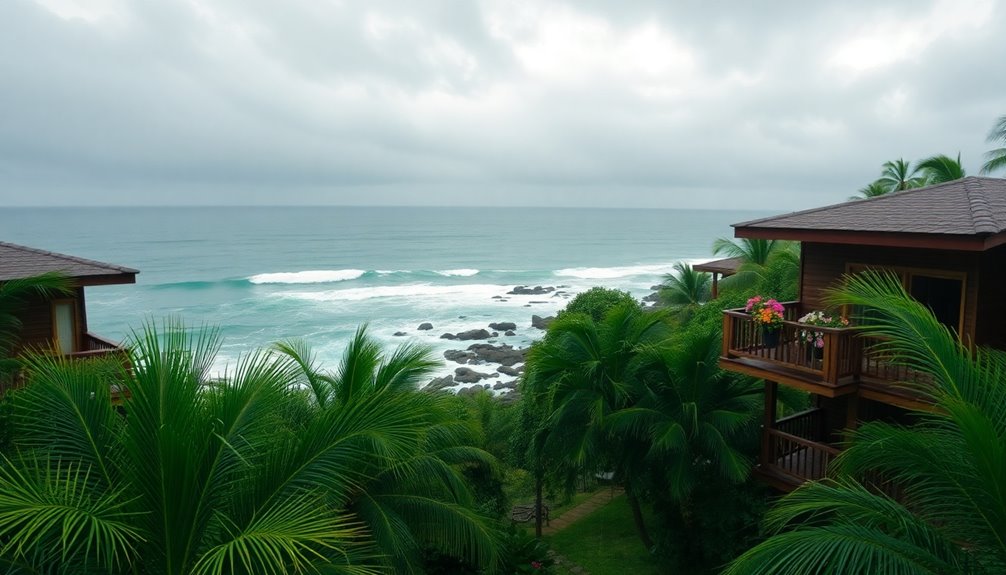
265, 274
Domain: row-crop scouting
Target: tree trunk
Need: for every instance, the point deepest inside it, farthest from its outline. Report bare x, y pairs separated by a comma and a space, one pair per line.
537, 503
637, 518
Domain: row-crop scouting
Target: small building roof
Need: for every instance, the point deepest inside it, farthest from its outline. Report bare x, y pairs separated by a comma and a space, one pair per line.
17, 262
967, 214
725, 267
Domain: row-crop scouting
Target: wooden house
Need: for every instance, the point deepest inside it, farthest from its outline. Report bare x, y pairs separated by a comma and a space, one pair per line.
60, 323
946, 242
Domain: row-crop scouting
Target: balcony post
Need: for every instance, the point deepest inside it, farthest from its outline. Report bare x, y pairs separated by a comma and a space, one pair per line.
767, 449
728, 334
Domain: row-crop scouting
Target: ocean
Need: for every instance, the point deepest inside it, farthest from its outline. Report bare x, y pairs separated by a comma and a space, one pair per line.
264, 274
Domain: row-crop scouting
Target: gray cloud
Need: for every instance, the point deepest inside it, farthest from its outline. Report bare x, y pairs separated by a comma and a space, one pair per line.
492, 102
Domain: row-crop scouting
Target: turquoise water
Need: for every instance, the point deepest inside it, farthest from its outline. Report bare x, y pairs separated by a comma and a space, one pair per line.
264, 274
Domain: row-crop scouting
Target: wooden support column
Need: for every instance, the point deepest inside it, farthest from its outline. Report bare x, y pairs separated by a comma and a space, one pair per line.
771, 389
716, 291
851, 414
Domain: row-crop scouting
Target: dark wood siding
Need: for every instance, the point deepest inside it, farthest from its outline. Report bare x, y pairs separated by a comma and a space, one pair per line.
824, 264
991, 312
36, 319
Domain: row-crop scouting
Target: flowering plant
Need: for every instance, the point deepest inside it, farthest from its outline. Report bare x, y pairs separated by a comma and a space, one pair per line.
816, 338
768, 313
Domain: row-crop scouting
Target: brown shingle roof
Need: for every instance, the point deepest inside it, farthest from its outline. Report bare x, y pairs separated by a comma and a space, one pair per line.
726, 266
18, 262
970, 207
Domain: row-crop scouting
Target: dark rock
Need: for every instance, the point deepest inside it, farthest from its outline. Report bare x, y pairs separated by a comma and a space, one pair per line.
474, 334
459, 356
509, 332
503, 325
511, 371
425, 326
541, 322
512, 384
501, 354
652, 297
400, 334
472, 390
539, 301
656, 288
448, 336
468, 375
497, 297
439, 383
536, 290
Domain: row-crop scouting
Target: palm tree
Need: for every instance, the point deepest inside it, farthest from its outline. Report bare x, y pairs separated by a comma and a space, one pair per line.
941, 168
686, 287
587, 370
775, 262
996, 159
872, 190
899, 175
692, 416
246, 473
751, 251
419, 499
951, 466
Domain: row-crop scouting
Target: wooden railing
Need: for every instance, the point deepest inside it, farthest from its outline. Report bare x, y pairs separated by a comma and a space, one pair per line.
809, 424
97, 346
839, 357
797, 457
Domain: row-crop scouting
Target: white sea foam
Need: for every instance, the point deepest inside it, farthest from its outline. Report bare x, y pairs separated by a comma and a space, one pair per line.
462, 272
478, 292
307, 277
615, 272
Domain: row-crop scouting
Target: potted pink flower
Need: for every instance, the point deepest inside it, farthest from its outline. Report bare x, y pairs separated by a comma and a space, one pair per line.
769, 315
814, 340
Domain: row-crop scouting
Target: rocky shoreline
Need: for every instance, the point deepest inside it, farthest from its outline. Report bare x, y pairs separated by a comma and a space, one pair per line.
487, 364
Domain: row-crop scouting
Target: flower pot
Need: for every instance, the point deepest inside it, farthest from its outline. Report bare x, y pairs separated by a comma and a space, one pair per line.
770, 337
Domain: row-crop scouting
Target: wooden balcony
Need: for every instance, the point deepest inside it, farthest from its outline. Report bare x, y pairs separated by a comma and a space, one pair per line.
96, 346
794, 450
844, 364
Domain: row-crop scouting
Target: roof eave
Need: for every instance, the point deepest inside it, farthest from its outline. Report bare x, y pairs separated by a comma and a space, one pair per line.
106, 279
975, 243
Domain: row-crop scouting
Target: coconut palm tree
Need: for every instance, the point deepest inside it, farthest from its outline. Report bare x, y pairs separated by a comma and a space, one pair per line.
950, 466
996, 159
245, 473
941, 168
685, 287
899, 175
872, 190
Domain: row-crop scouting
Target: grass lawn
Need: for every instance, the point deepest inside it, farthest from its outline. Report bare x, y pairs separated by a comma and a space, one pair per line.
606, 543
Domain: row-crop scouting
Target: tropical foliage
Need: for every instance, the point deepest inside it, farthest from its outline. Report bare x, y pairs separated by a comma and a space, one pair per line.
686, 287
995, 159
274, 468
941, 168
950, 516
621, 395
898, 175
763, 262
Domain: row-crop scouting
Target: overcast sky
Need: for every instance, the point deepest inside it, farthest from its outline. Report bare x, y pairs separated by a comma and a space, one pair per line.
509, 102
